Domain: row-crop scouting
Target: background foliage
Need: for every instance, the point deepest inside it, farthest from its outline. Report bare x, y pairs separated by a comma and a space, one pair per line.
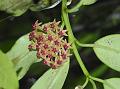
89, 24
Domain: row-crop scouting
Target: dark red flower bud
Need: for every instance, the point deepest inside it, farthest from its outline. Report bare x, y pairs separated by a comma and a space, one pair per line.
43, 52
56, 42
54, 50
33, 26
50, 56
30, 47
64, 56
65, 46
45, 46
53, 66
31, 36
61, 33
50, 38
37, 47
45, 29
52, 25
38, 55
45, 62
59, 62
40, 38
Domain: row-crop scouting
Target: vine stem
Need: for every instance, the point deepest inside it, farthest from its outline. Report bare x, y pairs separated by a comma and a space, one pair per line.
96, 45
84, 45
71, 37
75, 8
73, 41
86, 82
102, 81
93, 84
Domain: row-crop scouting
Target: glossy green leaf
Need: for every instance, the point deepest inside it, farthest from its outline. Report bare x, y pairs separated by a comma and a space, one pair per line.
107, 50
18, 7
113, 83
21, 56
8, 77
88, 2
53, 78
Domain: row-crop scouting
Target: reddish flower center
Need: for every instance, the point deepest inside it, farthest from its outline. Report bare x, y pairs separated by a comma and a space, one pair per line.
45, 29
65, 46
45, 62
59, 62
54, 50
43, 52
61, 33
50, 38
33, 26
56, 42
50, 56
52, 25
63, 56
45, 46
40, 38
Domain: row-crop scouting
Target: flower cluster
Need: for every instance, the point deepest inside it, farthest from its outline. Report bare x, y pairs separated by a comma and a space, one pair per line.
50, 43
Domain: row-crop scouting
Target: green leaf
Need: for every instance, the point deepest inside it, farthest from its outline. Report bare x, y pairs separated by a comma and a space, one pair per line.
107, 50
44, 4
88, 2
53, 78
8, 77
21, 57
15, 7
112, 83
18, 7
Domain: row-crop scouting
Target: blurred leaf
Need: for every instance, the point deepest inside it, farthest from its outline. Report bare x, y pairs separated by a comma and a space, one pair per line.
21, 57
6, 45
88, 2
107, 50
53, 78
8, 77
15, 7
44, 4
114, 83
18, 7
99, 70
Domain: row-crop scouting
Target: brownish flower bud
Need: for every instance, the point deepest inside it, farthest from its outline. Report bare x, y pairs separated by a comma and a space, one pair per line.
31, 35
50, 38
59, 62
30, 47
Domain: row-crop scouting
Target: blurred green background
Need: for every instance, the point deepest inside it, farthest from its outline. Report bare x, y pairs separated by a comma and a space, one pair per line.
89, 24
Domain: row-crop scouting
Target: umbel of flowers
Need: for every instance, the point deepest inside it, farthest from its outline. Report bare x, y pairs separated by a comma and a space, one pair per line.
50, 43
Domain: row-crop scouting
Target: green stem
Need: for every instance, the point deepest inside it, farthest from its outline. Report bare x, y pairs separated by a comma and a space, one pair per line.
79, 60
86, 82
84, 45
62, 25
97, 46
93, 84
75, 8
71, 37
102, 81
96, 79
